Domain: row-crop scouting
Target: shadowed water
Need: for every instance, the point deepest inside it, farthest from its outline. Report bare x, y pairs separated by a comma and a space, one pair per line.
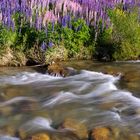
37, 102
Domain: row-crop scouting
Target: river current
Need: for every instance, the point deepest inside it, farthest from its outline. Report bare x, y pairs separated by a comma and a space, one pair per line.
35, 102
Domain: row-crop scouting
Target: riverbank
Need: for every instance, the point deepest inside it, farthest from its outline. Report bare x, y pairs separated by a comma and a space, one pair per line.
32, 36
12, 57
17, 58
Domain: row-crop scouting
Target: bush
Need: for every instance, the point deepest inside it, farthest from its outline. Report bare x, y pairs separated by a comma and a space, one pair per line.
76, 37
105, 46
7, 37
125, 34
38, 44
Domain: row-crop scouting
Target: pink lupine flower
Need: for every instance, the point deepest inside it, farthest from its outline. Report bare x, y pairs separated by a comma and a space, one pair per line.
49, 17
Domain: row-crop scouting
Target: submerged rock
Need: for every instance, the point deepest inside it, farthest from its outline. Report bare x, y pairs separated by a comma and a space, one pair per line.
22, 134
114, 73
131, 76
6, 111
28, 106
79, 129
100, 133
11, 92
40, 136
133, 137
116, 132
37, 136
8, 130
107, 105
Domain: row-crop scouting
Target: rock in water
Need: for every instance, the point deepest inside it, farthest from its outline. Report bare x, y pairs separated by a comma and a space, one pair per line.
40, 136
78, 128
101, 133
8, 131
55, 69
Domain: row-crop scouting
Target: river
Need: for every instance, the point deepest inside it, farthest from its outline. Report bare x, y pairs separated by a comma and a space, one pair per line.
31, 102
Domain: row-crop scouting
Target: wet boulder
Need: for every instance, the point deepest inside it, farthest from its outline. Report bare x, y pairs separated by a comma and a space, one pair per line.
114, 73
116, 132
8, 130
6, 111
133, 137
55, 69
131, 76
36, 136
11, 92
131, 81
100, 133
40, 136
78, 128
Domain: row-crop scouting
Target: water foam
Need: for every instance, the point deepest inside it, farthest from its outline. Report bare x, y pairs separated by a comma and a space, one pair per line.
26, 78
8, 138
86, 88
36, 124
41, 124
15, 100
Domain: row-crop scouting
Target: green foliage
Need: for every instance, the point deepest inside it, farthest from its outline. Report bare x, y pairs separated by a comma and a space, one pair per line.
121, 41
26, 38
76, 40
126, 52
76, 37
125, 34
105, 45
73, 38
7, 37
53, 33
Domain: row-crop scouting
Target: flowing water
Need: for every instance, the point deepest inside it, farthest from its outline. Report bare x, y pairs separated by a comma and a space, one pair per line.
32, 102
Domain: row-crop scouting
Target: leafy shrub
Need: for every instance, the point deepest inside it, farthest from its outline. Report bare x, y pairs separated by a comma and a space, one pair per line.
105, 45
76, 36
125, 34
7, 37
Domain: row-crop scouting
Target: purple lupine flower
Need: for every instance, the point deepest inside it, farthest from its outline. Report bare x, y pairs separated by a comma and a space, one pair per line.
46, 31
53, 26
85, 9
50, 44
64, 22
13, 25
36, 21
87, 23
9, 20
43, 46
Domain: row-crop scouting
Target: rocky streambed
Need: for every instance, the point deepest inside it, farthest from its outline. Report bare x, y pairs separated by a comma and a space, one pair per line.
96, 103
